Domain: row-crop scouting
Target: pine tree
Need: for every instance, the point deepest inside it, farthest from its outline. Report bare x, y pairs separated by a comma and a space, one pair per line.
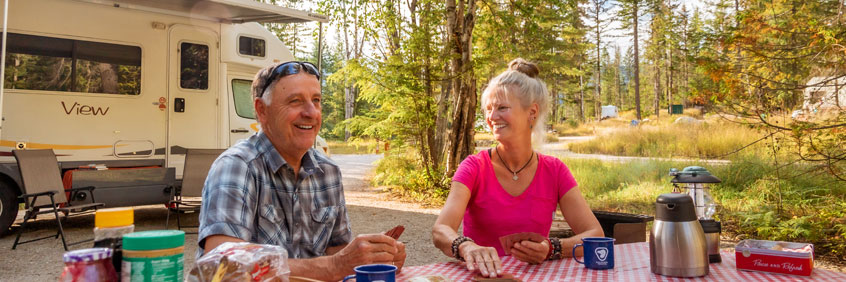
629, 15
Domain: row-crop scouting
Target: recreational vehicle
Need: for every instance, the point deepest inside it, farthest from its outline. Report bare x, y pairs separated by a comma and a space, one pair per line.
824, 94
130, 84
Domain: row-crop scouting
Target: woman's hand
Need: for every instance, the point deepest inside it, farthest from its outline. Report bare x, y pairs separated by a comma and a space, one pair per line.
531, 252
485, 259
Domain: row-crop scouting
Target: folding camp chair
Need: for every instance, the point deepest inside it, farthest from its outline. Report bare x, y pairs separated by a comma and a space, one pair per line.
197, 165
45, 193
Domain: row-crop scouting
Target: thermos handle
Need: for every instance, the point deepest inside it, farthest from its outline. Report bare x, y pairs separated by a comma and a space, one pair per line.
349, 277
574, 253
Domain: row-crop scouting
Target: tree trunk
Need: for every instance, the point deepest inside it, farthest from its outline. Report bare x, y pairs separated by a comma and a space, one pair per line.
441, 130
461, 19
636, 67
554, 104
597, 99
656, 79
656, 68
617, 77
349, 107
581, 97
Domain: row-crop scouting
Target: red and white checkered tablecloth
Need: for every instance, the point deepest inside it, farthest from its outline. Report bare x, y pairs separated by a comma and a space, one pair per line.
631, 264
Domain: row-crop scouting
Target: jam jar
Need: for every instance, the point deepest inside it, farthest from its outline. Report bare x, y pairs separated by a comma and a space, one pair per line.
89, 265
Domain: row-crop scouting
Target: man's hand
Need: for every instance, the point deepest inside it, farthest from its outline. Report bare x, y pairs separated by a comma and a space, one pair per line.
399, 258
369, 249
530, 252
485, 259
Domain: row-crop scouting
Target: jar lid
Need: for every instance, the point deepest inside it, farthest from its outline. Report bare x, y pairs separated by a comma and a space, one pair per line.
114, 217
87, 255
153, 240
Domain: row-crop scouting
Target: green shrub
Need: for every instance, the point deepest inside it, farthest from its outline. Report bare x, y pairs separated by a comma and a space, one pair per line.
404, 176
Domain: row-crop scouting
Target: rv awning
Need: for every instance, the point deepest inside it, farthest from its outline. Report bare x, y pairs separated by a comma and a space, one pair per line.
232, 11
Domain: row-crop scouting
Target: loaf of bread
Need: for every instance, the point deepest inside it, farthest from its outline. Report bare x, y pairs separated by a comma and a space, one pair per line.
242, 262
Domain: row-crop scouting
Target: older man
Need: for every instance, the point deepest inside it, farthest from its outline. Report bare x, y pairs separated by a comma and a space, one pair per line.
273, 188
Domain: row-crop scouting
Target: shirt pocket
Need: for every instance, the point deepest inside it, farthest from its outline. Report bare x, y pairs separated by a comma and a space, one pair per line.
272, 224
322, 220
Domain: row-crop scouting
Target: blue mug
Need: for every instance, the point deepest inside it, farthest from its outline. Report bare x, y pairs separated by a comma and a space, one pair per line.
374, 273
599, 252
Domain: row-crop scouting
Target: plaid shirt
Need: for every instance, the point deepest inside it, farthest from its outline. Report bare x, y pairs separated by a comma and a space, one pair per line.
251, 194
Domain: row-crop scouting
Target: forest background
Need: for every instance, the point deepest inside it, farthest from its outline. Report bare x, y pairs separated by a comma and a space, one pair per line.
409, 73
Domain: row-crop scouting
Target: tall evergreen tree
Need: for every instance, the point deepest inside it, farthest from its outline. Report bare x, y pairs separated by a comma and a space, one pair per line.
629, 15
597, 10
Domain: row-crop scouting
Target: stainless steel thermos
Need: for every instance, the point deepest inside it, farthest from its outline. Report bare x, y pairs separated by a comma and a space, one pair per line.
677, 245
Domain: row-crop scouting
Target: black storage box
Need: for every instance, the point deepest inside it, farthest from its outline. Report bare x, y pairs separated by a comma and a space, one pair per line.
625, 227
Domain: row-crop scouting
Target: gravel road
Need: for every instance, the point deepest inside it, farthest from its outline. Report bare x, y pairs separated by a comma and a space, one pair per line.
370, 211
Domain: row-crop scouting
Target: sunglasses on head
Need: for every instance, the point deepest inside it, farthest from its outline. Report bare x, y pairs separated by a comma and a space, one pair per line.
289, 68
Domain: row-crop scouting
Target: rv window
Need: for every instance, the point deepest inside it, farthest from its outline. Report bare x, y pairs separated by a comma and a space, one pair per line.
57, 64
251, 46
243, 98
816, 97
194, 66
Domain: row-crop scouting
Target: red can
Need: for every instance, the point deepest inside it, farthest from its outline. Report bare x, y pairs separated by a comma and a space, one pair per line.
775, 256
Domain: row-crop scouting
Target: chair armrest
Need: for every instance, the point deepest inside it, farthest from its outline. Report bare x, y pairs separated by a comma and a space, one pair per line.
24, 196
35, 196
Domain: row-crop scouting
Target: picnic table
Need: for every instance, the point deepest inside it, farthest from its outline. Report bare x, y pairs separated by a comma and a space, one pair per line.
631, 264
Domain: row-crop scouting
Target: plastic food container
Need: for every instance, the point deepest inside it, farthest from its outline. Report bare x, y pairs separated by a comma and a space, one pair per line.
153, 256
775, 256
89, 265
109, 227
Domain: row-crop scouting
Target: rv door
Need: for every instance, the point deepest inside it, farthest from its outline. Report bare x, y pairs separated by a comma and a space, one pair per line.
192, 91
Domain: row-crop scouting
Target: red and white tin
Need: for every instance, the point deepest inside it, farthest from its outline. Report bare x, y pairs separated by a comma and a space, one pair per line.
775, 256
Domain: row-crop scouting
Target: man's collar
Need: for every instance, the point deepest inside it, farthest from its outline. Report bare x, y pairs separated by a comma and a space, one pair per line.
274, 160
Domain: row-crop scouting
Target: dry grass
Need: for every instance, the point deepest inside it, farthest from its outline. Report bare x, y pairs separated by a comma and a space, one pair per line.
712, 138
355, 146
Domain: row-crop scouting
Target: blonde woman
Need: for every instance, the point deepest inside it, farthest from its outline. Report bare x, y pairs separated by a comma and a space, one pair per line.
511, 188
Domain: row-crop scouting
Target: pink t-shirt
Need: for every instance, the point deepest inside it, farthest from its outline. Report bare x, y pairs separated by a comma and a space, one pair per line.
493, 213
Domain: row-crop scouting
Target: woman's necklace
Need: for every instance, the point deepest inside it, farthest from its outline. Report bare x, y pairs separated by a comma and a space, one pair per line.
509, 169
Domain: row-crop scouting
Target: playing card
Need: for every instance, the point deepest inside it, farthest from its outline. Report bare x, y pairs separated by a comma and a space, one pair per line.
505, 246
395, 232
508, 241
534, 237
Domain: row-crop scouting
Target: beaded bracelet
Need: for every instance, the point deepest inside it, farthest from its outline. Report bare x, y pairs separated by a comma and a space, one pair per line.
556, 249
456, 243
551, 248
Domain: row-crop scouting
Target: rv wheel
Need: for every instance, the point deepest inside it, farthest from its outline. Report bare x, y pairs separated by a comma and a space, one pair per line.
8, 207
